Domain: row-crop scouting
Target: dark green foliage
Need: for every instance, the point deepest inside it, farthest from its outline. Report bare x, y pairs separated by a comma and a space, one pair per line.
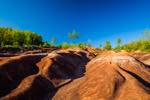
11, 39
142, 45
118, 44
119, 41
8, 48
83, 45
72, 45
9, 36
107, 45
73, 35
2, 45
58, 45
64, 45
53, 40
15, 44
46, 45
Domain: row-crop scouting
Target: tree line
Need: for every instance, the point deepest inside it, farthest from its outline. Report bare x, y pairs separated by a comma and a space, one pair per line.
17, 38
142, 44
9, 36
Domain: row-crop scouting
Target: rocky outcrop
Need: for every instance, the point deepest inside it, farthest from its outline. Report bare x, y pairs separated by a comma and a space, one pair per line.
50, 73
61, 65
13, 70
144, 57
110, 76
34, 87
72, 75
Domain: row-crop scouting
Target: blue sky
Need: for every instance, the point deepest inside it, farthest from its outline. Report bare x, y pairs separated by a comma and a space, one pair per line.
95, 20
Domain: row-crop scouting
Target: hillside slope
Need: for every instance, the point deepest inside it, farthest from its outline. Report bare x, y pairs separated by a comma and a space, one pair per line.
75, 75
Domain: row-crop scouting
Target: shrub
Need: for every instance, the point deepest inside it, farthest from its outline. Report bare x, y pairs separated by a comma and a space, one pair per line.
81, 45
10, 36
72, 45
46, 45
16, 45
118, 45
107, 45
9, 48
2, 45
142, 45
64, 45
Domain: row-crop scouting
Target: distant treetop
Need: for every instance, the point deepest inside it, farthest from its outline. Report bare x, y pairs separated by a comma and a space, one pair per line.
73, 35
9, 36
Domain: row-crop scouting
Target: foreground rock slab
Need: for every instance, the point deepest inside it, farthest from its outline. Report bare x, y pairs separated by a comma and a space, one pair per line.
15, 69
110, 76
144, 57
38, 77
74, 74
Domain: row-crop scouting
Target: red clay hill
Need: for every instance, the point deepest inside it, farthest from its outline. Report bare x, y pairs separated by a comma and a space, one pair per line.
75, 74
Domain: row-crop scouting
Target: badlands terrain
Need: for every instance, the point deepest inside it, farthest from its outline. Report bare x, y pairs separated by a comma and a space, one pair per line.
75, 74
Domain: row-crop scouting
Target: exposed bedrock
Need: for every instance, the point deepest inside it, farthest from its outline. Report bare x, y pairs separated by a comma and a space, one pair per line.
110, 76
12, 71
53, 71
72, 75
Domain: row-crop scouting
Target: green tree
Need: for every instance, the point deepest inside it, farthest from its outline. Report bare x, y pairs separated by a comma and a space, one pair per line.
11, 36
118, 44
72, 45
36, 39
15, 44
64, 45
53, 40
46, 45
107, 45
74, 35
119, 41
28, 39
82, 45
2, 45
142, 45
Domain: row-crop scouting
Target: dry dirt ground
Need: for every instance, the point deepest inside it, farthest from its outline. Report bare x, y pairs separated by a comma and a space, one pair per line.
75, 74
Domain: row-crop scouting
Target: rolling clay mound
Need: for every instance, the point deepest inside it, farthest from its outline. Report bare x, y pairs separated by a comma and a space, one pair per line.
64, 64
144, 57
59, 68
65, 75
34, 87
110, 76
14, 69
